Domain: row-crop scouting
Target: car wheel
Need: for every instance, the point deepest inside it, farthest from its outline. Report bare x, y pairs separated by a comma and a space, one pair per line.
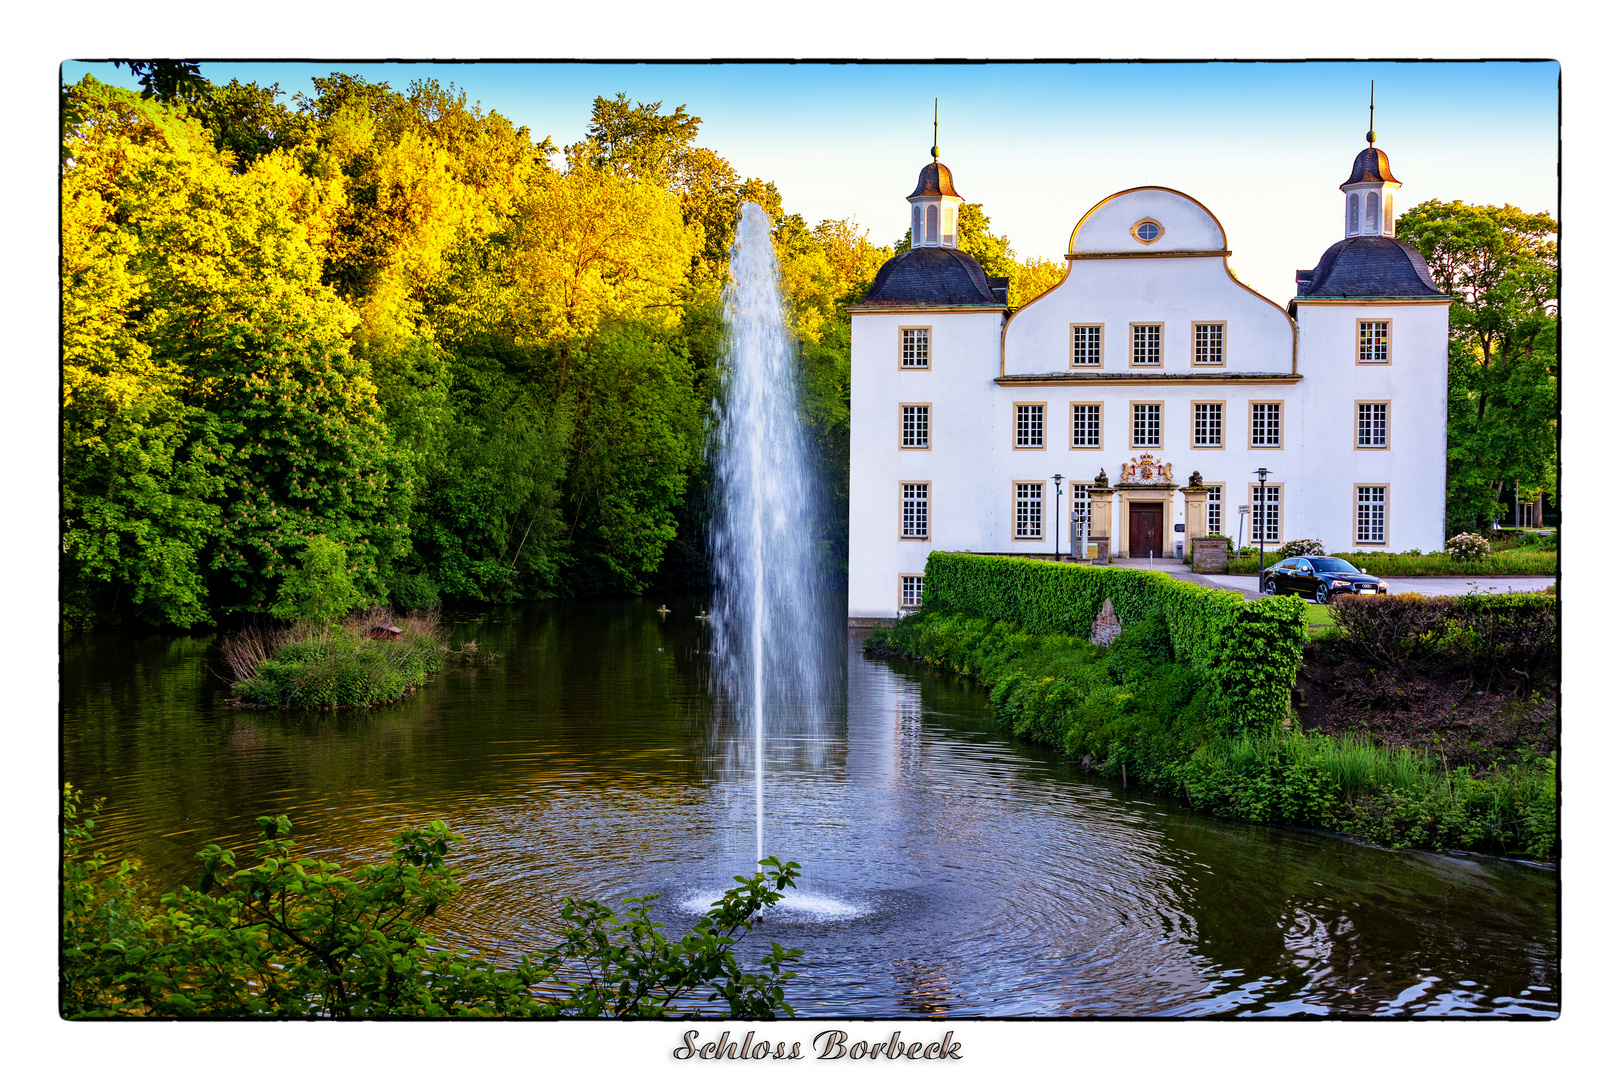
1322, 594
1271, 587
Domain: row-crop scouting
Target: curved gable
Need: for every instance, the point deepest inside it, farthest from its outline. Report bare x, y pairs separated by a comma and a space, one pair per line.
1185, 223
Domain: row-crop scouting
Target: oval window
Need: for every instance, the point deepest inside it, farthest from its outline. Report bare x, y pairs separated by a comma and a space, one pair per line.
1147, 232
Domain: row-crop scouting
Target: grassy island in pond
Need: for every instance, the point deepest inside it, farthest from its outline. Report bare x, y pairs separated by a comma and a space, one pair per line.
342, 665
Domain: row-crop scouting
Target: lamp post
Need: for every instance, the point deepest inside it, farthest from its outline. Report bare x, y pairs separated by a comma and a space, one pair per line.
1057, 517
1260, 525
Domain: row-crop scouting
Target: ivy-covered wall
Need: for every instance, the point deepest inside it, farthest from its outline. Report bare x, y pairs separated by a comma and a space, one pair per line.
1247, 651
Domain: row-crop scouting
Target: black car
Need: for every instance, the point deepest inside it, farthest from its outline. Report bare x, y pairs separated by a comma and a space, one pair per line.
1318, 577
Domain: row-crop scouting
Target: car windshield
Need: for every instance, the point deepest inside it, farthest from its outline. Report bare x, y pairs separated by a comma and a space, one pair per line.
1332, 566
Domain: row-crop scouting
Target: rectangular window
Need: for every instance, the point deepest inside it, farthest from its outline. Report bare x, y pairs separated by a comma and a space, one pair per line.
1145, 423
1087, 347
1209, 420
914, 511
1372, 425
910, 590
914, 347
1029, 431
1146, 339
1212, 511
1086, 426
1265, 519
1209, 344
1029, 511
1372, 341
1371, 500
1079, 500
1265, 423
914, 427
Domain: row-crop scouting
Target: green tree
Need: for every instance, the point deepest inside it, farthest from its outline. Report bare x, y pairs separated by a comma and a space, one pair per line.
320, 589
1501, 265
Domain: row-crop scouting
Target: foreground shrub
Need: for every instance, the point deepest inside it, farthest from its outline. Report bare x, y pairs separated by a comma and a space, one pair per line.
1517, 561
292, 936
319, 588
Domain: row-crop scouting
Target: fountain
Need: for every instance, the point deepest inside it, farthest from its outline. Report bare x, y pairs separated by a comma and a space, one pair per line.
769, 645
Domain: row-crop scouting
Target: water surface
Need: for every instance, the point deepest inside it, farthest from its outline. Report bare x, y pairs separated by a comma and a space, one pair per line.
948, 870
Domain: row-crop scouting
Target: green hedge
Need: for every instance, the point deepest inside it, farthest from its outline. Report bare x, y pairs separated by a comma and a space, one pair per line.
1246, 651
1513, 562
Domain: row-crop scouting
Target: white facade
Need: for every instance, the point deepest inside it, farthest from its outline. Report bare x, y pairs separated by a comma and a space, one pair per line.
1352, 417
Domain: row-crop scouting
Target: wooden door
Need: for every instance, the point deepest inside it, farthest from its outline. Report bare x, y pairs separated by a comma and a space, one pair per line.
1147, 529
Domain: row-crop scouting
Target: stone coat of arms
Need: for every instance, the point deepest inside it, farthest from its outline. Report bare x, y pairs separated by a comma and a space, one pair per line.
1145, 469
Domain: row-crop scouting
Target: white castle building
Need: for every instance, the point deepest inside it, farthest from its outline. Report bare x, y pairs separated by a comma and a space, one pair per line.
1154, 382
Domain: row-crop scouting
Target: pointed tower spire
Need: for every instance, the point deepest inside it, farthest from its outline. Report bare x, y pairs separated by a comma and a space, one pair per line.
1372, 136
935, 149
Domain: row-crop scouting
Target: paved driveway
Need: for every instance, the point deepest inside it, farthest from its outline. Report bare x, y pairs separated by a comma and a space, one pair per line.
1428, 586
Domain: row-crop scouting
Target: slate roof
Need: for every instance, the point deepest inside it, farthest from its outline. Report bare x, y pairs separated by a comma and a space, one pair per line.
934, 277
1371, 166
1369, 266
935, 179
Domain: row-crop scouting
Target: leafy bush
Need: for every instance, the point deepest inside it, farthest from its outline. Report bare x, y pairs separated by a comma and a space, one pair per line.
1509, 638
1468, 547
1247, 652
413, 592
319, 589
1293, 548
293, 936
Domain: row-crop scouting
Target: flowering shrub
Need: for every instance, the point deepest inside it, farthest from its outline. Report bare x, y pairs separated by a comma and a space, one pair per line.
1467, 547
1300, 547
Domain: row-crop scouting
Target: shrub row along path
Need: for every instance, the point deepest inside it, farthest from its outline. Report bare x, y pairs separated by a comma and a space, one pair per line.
1247, 584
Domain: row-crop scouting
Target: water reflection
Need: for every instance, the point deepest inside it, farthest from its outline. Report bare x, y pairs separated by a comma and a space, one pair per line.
993, 878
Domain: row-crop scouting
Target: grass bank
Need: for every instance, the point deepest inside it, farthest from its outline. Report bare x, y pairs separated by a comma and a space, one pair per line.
339, 666
1140, 714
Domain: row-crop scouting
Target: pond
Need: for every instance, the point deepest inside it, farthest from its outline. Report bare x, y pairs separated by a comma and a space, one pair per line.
948, 870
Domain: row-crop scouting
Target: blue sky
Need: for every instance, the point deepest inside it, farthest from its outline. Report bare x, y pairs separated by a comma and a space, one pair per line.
1263, 145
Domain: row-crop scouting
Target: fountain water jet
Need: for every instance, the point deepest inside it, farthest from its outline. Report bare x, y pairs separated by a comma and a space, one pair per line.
770, 651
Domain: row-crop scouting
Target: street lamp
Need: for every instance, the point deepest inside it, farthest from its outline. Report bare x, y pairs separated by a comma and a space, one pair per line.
1259, 512
1057, 517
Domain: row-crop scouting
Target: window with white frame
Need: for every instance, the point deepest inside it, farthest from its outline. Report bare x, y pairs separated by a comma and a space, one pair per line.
1372, 424
1029, 515
1372, 341
914, 427
911, 586
1265, 423
1372, 211
933, 223
1208, 421
1209, 344
1355, 213
1265, 518
1087, 346
1030, 426
1371, 501
914, 347
914, 511
1145, 418
1146, 339
1212, 511
1086, 424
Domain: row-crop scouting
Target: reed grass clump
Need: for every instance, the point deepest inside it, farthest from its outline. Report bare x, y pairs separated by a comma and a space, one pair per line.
317, 666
